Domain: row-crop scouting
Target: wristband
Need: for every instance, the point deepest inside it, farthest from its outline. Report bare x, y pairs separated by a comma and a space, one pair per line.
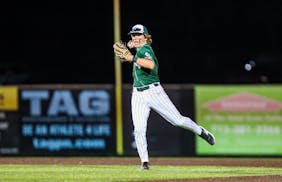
134, 59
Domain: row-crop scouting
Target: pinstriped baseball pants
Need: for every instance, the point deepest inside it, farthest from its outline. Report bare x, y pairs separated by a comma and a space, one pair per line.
155, 98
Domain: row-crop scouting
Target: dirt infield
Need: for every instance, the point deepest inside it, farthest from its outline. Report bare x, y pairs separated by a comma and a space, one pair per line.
256, 162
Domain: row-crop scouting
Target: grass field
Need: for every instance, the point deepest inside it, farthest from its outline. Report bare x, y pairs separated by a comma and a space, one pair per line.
122, 173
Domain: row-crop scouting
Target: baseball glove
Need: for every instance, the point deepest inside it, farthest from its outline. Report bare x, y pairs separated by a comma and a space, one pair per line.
121, 51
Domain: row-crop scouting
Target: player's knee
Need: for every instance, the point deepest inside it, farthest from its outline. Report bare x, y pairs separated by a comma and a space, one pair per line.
180, 122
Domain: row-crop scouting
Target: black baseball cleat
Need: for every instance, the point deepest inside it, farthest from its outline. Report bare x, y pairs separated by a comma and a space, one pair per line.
206, 135
145, 166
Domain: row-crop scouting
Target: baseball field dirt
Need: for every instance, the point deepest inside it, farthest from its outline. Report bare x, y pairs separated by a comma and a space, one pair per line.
255, 162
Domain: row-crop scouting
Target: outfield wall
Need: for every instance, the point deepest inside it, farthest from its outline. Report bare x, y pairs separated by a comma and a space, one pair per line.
79, 120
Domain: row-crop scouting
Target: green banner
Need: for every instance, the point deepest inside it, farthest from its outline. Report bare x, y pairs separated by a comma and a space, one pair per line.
246, 120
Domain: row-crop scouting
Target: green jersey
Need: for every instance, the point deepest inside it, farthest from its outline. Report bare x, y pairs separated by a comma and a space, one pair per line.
143, 76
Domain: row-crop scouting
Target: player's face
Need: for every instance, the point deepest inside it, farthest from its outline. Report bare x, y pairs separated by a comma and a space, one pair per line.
138, 40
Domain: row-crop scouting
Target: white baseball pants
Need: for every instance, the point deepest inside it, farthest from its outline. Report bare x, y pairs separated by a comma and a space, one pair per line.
155, 98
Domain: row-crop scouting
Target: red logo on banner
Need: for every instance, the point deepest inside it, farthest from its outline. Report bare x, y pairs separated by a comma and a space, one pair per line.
244, 102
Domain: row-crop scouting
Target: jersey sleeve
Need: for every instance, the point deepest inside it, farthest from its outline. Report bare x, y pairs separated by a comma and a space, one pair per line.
146, 53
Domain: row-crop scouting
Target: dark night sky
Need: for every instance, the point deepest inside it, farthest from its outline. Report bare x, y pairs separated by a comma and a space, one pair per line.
71, 42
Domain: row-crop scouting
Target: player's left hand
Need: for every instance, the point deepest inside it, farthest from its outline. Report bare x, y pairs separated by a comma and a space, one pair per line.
122, 52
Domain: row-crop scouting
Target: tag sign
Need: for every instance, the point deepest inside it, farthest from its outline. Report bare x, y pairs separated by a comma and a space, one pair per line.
90, 102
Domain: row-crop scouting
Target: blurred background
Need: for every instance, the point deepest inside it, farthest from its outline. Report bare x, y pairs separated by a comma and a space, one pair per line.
196, 42
220, 63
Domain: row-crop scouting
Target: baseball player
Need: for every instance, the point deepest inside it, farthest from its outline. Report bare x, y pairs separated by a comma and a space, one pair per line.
149, 94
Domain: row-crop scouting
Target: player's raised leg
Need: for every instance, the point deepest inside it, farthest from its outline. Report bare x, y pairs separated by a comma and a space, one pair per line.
163, 105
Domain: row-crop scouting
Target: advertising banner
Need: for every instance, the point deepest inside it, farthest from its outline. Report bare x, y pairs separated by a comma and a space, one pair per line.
9, 125
246, 120
67, 121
